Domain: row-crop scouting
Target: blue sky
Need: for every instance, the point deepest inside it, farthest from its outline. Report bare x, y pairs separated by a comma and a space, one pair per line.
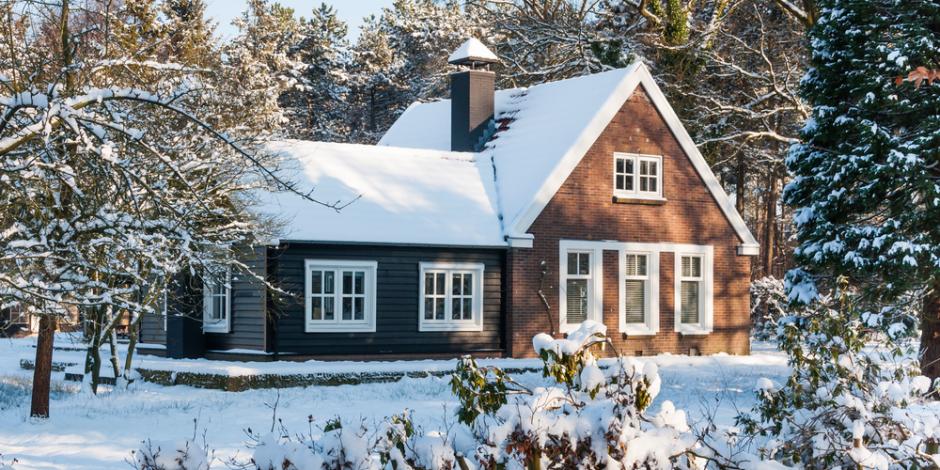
351, 11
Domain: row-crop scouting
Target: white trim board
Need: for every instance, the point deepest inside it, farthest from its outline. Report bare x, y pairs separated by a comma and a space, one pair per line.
638, 75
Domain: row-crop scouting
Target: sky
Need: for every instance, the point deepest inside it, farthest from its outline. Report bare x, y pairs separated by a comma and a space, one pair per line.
350, 11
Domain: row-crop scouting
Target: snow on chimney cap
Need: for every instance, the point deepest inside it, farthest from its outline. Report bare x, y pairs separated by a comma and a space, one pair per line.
472, 51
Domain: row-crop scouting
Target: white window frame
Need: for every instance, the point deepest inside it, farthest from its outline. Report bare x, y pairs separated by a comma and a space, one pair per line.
448, 323
595, 310
164, 308
337, 324
636, 193
224, 325
706, 306
650, 325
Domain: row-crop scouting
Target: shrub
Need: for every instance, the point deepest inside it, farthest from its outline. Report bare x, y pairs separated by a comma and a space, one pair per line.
181, 455
768, 306
849, 402
587, 417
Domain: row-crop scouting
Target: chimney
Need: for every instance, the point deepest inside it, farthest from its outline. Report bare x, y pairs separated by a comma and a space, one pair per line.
471, 95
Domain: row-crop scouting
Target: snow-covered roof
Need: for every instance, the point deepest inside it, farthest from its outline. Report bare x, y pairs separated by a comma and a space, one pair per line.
550, 128
406, 195
472, 49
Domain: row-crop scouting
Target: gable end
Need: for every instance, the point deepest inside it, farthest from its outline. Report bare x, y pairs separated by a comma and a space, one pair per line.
639, 77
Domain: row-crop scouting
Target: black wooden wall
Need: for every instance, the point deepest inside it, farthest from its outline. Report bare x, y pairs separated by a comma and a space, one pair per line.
248, 307
396, 305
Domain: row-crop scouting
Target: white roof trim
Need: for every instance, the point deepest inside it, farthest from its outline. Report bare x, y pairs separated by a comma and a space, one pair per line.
639, 75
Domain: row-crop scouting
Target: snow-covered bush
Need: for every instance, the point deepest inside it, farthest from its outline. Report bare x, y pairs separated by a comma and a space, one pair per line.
586, 417
848, 402
181, 455
768, 305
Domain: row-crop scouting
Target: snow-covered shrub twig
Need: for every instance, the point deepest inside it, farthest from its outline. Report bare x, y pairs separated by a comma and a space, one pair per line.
768, 305
585, 417
848, 402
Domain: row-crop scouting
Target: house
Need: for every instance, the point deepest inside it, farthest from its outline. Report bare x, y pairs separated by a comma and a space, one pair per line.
485, 219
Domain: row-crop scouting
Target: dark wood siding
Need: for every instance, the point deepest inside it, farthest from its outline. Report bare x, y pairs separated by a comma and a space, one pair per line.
248, 307
151, 330
396, 303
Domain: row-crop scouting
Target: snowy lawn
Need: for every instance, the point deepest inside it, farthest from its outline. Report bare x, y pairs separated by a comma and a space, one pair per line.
88, 432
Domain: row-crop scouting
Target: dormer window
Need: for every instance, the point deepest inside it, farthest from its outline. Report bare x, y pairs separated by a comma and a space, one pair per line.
638, 176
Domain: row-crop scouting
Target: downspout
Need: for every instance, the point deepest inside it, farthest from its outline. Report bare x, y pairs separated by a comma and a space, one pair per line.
541, 292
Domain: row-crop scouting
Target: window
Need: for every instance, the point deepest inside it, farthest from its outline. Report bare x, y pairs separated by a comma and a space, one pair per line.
216, 300
639, 291
638, 176
340, 296
693, 292
450, 297
580, 293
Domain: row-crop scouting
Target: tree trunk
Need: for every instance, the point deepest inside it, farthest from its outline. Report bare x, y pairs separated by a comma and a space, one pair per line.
133, 333
42, 374
741, 189
930, 335
770, 226
93, 354
115, 361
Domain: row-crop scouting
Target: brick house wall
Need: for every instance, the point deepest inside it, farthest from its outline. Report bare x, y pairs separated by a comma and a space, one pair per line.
584, 209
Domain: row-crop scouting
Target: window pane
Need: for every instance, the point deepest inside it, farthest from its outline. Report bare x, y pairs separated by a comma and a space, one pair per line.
328, 282
316, 310
456, 283
428, 308
468, 284
456, 310
621, 182
428, 283
635, 301
316, 282
347, 308
584, 263
644, 184
628, 183
577, 301
328, 308
636, 265
690, 302
360, 280
572, 263
686, 266
644, 167
697, 267
359, 311
439, 308
620, 166
653, 167
347, 282
467, 309
629, 164
441, 286
653, 184
215, 308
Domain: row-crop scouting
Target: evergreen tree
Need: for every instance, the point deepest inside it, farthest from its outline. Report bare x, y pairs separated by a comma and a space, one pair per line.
866, 184
372, 85
401, 57
259, 62
316, 106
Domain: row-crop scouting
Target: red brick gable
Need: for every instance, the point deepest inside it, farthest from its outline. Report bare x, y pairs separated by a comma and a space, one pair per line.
584, 209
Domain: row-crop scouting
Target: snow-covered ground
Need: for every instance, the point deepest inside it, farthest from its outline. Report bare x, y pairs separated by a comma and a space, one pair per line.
98, 432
